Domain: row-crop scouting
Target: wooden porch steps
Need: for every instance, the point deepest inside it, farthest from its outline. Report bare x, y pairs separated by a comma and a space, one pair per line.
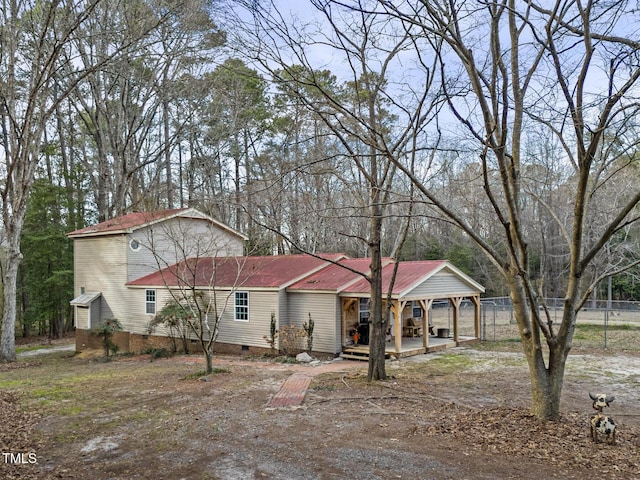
357, 353
349, 356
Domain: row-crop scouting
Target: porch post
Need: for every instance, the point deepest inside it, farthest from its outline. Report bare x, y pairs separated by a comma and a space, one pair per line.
426, 306
455, 303
398, 308
476, 310
346, 302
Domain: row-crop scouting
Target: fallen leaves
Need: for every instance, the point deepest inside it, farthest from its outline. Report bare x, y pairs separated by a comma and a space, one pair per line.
18, 447
514, 432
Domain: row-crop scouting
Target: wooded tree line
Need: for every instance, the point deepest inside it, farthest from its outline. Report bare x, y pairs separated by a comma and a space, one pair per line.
148, 107
502, 135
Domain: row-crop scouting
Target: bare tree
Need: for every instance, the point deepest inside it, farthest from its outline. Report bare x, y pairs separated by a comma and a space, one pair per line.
33, 40
557, 67
196, 303
366, 116
237, 126
302, 184
199, 278
37, 41
188, 40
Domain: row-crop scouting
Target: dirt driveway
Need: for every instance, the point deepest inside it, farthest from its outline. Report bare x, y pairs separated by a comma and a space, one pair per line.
461, 414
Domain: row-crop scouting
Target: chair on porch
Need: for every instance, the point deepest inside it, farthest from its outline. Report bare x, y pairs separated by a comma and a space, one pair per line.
411, 329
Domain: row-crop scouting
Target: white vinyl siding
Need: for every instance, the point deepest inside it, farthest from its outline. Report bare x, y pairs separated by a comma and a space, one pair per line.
106, 263
99, 267
261, 304
325, 311
82, 317
282, 314
442, 285
197, 238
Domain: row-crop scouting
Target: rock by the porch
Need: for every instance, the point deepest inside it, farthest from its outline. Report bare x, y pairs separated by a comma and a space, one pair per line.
304, 357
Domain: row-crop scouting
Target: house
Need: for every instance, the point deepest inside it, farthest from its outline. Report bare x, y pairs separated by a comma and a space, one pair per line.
116, 277
110, 254
248, 291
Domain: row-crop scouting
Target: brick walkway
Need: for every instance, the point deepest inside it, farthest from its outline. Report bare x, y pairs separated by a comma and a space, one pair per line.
294, 388
292, 392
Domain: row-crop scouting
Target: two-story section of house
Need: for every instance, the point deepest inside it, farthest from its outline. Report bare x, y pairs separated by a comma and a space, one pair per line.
110, 254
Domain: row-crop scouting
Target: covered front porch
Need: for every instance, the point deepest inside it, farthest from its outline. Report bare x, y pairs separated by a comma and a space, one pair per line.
424, 301
415, 326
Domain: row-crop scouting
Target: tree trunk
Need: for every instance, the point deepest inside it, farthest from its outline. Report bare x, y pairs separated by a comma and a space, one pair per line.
102, 196
546, 387
167, 150
377, 323
546, 377
185, 342
236, 196
8, 344
209, 358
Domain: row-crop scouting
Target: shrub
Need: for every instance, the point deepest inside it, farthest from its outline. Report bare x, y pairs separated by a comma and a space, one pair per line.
273, 334
157, 352
106, 331
290, 338
175, 318
308, 330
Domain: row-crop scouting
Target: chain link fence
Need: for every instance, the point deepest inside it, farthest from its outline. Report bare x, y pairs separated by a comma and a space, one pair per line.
600, 324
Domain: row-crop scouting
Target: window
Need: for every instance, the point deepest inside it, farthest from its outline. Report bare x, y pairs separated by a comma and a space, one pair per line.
242, 306
365, 306
416, 311
134, 245
150, 297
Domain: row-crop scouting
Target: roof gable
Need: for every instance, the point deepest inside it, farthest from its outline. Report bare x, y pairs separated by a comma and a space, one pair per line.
432, 275
409, 273
134, 221
351, 281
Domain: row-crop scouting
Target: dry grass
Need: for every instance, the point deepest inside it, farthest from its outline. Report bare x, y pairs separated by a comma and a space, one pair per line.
133, 417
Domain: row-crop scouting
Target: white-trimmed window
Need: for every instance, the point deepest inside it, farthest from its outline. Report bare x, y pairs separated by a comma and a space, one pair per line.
150, 301
241, 307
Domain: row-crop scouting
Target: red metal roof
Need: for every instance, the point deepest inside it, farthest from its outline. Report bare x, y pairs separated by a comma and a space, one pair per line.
296, 272
409, 274
126, 222
237, 272
334, 277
